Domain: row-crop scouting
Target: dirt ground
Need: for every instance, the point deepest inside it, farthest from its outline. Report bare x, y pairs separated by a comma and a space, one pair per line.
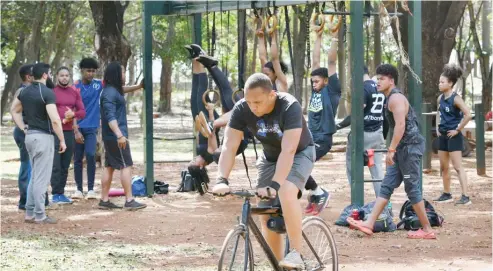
185, 231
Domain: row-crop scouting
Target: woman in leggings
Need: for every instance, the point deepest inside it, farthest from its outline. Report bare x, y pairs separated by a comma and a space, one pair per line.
208, 142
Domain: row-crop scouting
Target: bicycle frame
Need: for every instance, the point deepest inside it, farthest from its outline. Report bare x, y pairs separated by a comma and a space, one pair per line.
250, 225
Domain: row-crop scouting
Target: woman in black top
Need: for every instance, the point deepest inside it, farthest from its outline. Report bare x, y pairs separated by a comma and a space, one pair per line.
452, 116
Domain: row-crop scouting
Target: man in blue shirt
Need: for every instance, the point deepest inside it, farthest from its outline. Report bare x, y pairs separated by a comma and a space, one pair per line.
322, 108
87, 129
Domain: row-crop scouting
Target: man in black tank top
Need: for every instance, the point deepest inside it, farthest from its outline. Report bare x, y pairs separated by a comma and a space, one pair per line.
403, 157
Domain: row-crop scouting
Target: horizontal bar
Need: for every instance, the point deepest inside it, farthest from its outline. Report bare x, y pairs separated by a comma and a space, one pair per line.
380, 150
192, 7
172, 161
173, 138
330, 12
373, 181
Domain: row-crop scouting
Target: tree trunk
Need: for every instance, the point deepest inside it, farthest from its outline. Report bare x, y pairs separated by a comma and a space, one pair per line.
110, 43
341, 60
165, 82
167, 71
440, 20
13, 79
486, 50
33, 52
299, 48
377, 60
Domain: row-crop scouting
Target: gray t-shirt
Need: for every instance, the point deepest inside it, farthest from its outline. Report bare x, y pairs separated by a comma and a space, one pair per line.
269, 129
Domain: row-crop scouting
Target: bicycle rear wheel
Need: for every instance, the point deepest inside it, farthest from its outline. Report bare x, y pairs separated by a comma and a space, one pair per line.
320, 243
233, 251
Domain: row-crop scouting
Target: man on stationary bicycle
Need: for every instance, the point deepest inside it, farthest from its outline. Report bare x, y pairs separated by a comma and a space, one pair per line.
277, 121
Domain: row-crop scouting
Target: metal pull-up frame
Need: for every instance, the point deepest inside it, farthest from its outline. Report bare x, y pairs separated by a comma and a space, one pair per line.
357, 12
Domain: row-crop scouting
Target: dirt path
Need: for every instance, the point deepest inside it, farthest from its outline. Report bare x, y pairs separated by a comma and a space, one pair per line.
182, 231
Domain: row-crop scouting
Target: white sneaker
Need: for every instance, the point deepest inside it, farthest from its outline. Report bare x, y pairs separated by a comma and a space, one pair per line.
221, 189
292, 261
77, 195
91, 195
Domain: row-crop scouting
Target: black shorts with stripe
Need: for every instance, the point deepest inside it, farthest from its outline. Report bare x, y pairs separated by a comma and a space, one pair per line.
115, 157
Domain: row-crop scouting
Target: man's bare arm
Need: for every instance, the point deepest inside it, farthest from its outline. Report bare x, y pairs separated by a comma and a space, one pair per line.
232, 139
16, 111
397, 105
274, 53
55, 121
289, 145
128, 89
223, 120
332, 55
262, 51
316, 51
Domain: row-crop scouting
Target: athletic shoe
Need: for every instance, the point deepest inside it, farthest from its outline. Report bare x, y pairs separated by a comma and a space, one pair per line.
310, 207
292, 261
464, 200
319, 202
190, 51
91, 195
197, 50
445, 197
207, 61
107, 205
133, 205
30, 220
203, 127
221, 188
47, 220
61, 199
77, 195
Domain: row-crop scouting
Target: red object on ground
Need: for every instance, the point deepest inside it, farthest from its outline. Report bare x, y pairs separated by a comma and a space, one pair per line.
489, 115
116, 192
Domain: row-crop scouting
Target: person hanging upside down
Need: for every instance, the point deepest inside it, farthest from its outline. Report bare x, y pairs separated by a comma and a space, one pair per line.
208, 121
275, 69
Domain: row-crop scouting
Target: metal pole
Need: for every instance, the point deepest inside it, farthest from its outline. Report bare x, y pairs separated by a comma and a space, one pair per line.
480, 144
427, 134
357, 62
148, 106
415, 57
197, 39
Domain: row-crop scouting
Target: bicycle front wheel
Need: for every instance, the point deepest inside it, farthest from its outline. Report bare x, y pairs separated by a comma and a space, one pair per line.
233, 253
319, 249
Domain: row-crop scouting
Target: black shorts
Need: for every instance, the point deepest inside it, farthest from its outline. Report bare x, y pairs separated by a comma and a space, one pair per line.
447, 144
115, 157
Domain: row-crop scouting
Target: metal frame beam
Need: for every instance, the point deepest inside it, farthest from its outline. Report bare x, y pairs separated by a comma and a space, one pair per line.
357, 62
194, 7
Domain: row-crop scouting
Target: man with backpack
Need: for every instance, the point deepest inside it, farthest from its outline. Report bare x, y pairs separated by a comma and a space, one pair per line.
403, 157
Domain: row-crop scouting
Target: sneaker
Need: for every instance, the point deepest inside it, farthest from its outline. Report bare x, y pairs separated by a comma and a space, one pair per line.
91, 195
445, 197
52, 206
310, 207
77, 195
133, 205
207, 61
29, 220
464, 200
61, 199
197, 50
107, 205
47, 220
202, 126
292, 261
221, 188
319, 202
190, 51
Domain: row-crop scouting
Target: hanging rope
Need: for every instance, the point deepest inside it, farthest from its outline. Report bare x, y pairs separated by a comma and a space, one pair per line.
308, 63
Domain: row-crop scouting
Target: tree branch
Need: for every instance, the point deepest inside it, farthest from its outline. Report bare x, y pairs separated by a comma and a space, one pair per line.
132, 20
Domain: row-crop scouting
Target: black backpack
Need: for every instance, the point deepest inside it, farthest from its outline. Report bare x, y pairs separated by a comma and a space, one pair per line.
187, 183
410, 220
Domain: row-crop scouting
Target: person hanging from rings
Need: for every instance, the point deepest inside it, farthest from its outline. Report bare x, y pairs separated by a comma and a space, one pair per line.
208, 122
275, 69
322, 107
452, 117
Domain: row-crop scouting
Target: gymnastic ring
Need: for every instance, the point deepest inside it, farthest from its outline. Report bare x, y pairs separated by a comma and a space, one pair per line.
234, 95
216, 104
339, 22
274, 24
318, 27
